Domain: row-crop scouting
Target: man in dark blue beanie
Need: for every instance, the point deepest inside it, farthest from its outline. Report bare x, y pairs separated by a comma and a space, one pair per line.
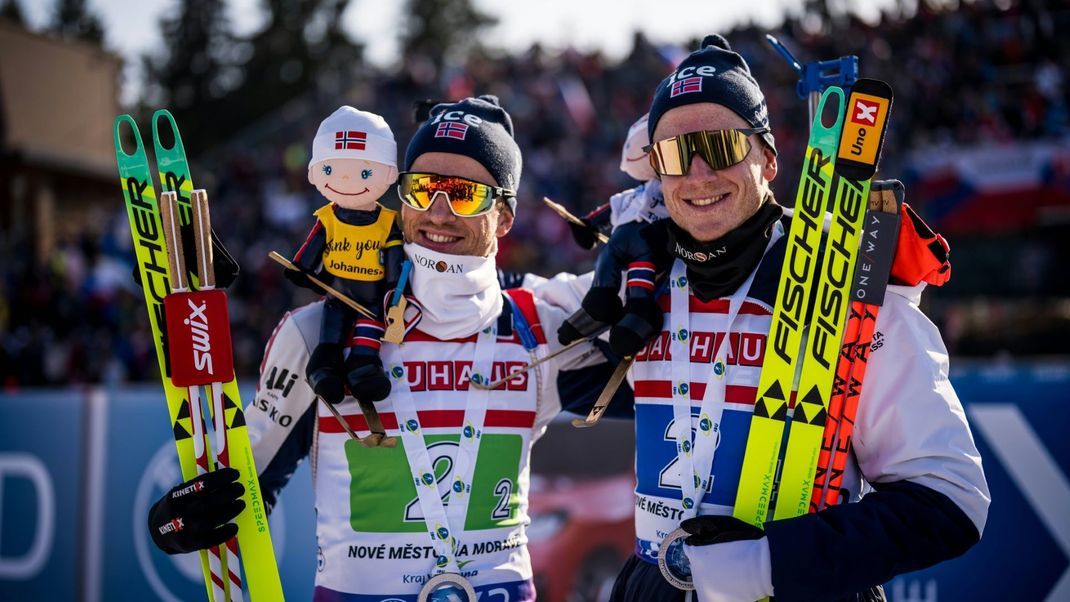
717, 75
459, 330
721, 253
474, 127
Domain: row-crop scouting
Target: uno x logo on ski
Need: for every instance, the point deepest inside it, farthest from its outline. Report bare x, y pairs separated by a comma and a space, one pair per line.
350, 140
863, 133
865, 112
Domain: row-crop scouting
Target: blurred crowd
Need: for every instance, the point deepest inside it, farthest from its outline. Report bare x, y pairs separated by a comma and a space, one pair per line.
981, 73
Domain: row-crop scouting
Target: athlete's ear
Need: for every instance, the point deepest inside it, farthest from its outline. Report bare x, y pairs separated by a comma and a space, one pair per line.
505, 220
769, 165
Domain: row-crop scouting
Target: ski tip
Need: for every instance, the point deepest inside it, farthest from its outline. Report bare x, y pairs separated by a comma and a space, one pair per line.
862, 139
826, 136
118, 136
172, 126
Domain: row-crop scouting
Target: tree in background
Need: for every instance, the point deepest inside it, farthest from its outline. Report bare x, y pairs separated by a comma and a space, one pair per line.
301, 48
218, 83
197, 67
10, 10
72, 20
442, 30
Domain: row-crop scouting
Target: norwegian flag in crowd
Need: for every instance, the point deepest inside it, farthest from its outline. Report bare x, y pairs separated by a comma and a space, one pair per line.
684, 86
350, 140
451, 129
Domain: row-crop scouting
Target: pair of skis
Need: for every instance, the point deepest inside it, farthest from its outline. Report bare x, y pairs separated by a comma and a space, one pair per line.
840, 163
191, 333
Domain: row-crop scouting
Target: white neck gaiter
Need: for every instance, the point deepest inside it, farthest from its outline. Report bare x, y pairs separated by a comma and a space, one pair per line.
458, 295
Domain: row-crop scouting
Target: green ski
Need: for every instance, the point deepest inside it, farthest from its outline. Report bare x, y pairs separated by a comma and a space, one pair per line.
157, 277
859, 150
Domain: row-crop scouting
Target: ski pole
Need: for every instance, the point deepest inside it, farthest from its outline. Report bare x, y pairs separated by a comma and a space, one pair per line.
569, 217
520, 371
816, 76
606, 396
337, 294
226, 580
206, 273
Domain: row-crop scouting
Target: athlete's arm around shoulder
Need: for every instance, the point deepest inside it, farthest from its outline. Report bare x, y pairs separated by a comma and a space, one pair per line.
575, 378
913, 445
282, 415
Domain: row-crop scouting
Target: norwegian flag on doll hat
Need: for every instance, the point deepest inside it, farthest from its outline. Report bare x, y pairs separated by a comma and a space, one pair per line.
354, 134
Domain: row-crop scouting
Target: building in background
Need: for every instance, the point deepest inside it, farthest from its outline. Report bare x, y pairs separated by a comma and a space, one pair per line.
57, 165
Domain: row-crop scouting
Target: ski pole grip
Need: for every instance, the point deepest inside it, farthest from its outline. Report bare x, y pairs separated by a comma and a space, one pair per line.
786, 54
202, 234
172, 237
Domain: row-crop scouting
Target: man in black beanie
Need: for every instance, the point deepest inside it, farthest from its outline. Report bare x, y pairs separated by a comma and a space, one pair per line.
722, 250
382, 530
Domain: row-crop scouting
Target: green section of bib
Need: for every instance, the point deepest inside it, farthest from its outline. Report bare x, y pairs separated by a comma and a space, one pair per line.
383, 496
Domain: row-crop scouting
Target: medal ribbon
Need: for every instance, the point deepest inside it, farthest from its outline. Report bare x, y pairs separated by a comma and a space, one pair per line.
695, 454
445, 523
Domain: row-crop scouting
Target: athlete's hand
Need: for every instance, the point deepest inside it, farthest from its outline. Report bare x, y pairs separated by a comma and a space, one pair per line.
585, 235
196, 514
729, 559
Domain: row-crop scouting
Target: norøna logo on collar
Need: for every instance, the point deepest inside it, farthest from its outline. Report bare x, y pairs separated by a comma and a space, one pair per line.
438, 266
699, 255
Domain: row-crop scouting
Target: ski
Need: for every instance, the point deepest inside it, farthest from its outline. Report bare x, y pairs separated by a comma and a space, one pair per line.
867, 293
868, 107
755, 493
158, 276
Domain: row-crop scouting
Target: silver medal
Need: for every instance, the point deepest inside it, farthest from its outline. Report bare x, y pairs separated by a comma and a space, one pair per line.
673, 562
447, 587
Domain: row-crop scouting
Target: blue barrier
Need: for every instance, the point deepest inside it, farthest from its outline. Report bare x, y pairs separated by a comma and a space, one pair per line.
79, 469
99, 548
1019, 416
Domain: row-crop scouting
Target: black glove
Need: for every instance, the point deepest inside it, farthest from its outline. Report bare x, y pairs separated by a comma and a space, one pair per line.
223, 263
301, 279
585, 235
365, 377
600, 309
324, 371
641, 322
711, 529
196, 514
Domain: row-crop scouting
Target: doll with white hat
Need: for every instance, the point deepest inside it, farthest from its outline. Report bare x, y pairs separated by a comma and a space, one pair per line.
628, 250
354, 246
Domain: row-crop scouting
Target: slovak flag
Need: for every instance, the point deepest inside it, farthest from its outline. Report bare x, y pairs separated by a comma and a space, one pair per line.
350, 140
451, 129
684, 86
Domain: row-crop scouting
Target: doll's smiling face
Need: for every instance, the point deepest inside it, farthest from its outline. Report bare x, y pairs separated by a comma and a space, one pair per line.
352, 183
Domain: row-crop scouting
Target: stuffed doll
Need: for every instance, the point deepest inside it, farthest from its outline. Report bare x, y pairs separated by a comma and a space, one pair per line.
627, 215
355, 246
